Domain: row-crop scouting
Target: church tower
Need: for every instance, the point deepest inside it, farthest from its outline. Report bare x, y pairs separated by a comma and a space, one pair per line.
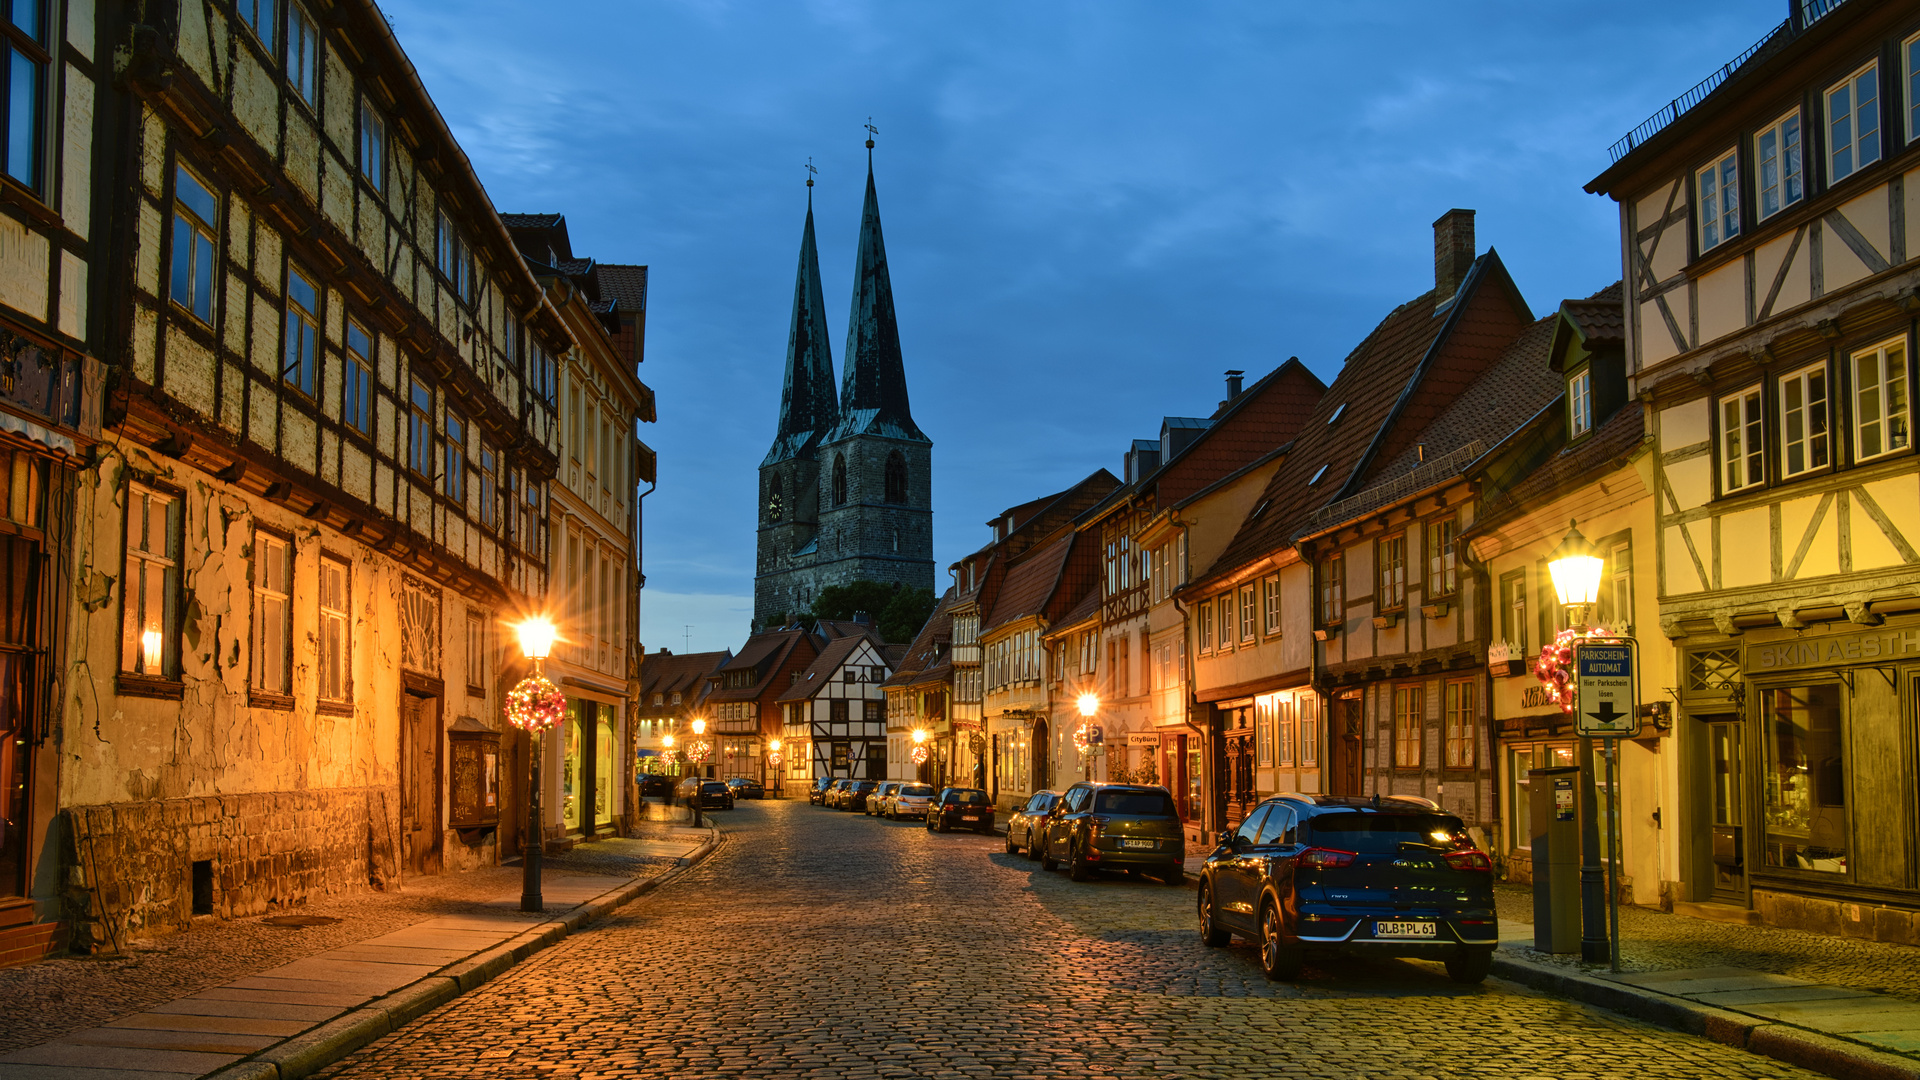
846, 492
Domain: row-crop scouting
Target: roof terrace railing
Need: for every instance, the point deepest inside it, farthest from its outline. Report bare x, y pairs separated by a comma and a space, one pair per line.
1806, 13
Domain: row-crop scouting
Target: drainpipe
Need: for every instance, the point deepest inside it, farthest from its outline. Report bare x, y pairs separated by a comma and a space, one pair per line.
1212, 812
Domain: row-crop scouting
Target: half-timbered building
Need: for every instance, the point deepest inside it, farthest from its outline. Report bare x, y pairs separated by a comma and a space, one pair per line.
836, 711
742, 709
1769, 231
672, 692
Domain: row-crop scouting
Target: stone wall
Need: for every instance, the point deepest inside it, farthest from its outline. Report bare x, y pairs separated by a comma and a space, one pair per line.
1867, 920
133, 863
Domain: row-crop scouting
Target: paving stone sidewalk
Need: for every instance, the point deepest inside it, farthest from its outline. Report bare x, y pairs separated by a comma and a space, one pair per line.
199, 1001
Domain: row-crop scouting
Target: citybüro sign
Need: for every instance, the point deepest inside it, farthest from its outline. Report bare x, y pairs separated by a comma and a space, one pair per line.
1868, 647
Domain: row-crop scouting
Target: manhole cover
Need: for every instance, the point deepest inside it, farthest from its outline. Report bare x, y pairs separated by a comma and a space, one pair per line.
299, 920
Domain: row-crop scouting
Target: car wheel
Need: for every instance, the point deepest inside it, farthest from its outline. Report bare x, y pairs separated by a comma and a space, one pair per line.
1033, 852
1012, 847
1469, 965
1175, 876
1280, 961
943, 826
1211, 934
929, 823
1047, 861
1077, 867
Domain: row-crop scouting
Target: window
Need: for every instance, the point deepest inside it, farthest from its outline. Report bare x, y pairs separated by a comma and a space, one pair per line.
373, 145
1461, 716
299, 357
272, 613
1580, 404
1803, 421
196, 213
896, 477
1270, 603
1205, 612
259, 14
476, 654
530, 517
1307, 706
1910, 53
1317, 474
489, 513
356, 390
1333, 608
1226, 621
1805, 784
1853, 124
303, 54
1880, 400
839, 480
1777, 150
1246, 613
1718, 189
453, 259
455, 486
151, 586
1513, 610
1616, 595
420, 428
1443, 574
25, 88
336, 642
1407, 708
1393, 572
1741, 448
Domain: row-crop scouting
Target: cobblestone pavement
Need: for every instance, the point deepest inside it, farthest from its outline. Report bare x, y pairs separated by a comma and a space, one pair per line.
1653, 940
815, 943
56, 997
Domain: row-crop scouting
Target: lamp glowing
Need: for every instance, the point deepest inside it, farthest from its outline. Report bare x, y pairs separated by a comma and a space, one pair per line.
536, 637
919, 735
774, 745
150, 650
1089, 704
699, 726
1576, 567
666, 741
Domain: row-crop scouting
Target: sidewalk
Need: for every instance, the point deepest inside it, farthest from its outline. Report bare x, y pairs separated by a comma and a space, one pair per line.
282, 996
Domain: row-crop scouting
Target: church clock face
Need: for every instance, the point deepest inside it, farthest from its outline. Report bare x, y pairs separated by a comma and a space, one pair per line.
773, 507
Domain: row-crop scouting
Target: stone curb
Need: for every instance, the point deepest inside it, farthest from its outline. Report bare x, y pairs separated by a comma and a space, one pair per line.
315, 1049
1781, 1042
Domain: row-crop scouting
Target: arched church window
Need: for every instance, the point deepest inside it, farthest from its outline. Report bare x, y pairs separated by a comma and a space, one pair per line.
896, 477
839, 480
776, 499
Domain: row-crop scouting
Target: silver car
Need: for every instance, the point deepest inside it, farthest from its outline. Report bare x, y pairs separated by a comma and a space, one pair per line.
910, 801
877, 802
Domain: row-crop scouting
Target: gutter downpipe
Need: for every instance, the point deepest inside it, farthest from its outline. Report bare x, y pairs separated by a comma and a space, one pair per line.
1215, 810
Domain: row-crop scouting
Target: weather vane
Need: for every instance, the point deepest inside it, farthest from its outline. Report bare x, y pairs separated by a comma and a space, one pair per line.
871, 132
811, 172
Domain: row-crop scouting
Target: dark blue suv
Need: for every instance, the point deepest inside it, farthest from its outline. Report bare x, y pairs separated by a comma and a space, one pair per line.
1372, 876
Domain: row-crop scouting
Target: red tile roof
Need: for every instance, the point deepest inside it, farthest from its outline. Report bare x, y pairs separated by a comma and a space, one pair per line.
930, 645
764, 654
667, 673
1572, 466
1504, 397
1031, 584
624, 284
1266, 415
824, 668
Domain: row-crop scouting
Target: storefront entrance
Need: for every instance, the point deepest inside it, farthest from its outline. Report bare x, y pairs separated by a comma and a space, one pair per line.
1727, 818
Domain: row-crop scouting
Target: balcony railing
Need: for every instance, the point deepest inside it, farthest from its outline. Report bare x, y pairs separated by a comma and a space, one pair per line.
1806, 13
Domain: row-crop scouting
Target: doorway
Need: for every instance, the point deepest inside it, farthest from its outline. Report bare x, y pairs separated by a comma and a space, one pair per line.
1042, 757
420, 739
1727, 817
1346, 746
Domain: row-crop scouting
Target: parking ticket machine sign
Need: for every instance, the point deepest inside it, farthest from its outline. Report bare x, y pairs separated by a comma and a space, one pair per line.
1606, 680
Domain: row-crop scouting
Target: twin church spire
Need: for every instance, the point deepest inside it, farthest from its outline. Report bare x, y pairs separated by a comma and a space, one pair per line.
873, 390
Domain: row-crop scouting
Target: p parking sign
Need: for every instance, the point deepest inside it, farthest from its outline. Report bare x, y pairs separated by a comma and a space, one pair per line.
1606, 681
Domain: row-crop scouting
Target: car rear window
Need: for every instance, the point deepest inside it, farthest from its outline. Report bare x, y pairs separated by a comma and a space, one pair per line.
916, 789
968, 797
1382, 834
1136, 803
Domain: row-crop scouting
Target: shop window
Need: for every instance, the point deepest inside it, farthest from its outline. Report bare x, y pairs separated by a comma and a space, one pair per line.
1408, 714
151, 587
1805, 785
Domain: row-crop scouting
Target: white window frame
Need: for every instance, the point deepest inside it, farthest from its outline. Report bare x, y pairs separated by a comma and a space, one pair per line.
1891, 428
1205, 610
150, 593
1247, 623
1716, 189
1580, 403
1811, 416
336, 629
272, 613
1270, 603
1868, 76
1789, 185
1742, 440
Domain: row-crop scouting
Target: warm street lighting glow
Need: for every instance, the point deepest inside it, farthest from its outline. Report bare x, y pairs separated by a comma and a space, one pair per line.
699, 726
1089, 704
666, 741
1576, 568
536, 637
919, 735
774, 745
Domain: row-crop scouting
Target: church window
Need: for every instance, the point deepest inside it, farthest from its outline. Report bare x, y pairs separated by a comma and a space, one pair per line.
896, 477
839, 480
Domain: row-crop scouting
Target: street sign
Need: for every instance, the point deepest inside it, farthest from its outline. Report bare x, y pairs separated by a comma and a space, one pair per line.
1606, 682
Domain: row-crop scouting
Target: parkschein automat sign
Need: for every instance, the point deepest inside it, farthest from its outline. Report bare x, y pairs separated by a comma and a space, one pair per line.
1606, 682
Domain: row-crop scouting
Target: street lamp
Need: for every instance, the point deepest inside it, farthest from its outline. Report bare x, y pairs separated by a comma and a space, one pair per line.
919, 754
534, 705
774, 761
1089, 704
1576, 567
699, 726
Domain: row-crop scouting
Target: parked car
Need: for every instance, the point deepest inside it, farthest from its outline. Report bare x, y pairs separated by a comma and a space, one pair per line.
961, 808
1374, 877
746, 787
656, 784
1024, 827
817, 791
836, 793
856, 794
877, 802
1096, 826
911, 801
713, 794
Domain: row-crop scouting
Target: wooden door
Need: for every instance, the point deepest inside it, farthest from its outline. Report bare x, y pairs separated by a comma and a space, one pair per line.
1344, 744
420, 782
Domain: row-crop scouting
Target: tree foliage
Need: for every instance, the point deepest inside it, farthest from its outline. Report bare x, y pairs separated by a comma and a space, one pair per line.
898, 612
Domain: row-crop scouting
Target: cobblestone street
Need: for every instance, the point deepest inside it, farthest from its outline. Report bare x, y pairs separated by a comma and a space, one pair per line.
820, 943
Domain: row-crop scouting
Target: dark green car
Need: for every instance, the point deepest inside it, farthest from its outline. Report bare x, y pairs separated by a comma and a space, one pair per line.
1098, 826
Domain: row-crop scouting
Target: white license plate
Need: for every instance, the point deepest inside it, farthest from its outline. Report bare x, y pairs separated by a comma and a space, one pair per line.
1404, 929
1149, 844
969, 817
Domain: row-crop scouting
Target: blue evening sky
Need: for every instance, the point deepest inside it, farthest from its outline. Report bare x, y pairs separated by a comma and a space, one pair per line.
1092, 209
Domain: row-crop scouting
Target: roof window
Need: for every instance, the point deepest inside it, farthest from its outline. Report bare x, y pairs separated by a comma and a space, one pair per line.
1317, 474
1337, 410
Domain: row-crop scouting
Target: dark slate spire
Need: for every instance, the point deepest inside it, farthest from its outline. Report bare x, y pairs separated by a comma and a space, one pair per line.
873, 388
807, 405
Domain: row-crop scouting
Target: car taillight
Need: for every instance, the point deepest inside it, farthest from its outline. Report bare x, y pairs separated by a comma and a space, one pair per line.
1470, 860
1321, 858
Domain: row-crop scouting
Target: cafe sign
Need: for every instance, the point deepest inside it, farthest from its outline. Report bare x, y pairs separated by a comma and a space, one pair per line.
1873, 646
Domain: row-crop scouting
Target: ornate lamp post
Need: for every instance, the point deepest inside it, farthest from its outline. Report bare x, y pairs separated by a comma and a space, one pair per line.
534, 705
919, 752
697, 753
774, 759
1089, 708
1576, 568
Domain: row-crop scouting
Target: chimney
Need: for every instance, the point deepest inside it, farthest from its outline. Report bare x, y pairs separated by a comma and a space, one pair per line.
861, 618
1235, 381
1452, 252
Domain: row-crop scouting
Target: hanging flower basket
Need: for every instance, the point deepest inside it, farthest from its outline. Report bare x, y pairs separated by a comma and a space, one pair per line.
1554, 669
535, 704
774, 758
698, 751
919, 755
